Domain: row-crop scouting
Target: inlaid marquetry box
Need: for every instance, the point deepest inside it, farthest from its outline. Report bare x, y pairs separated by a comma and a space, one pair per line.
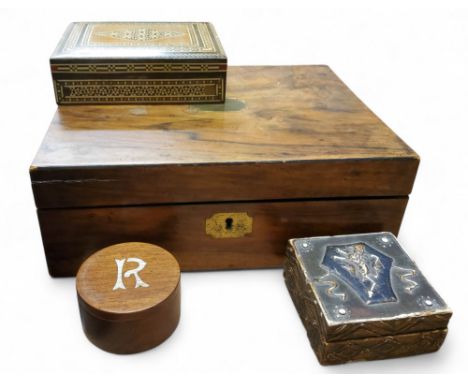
361, 297
292, 153
144, 62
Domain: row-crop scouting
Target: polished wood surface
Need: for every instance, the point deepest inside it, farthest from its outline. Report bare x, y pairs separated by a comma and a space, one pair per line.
117, 315
284, 132
71, 235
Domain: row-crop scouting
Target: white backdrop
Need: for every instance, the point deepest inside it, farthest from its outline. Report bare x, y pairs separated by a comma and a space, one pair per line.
408, 63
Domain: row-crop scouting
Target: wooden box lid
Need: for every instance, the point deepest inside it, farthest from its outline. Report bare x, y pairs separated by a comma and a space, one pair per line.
285, 132
362, 297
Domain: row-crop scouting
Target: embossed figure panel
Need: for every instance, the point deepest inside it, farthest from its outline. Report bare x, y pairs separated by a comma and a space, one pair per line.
364, 269
361, 297
99, 63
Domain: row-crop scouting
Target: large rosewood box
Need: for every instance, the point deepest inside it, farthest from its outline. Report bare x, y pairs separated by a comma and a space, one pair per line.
144, 62
292, 153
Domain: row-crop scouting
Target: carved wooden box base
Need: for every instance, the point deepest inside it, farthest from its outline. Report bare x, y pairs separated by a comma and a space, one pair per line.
407, 319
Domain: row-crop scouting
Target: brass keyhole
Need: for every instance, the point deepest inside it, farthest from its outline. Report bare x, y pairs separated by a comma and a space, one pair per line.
228, 224
225, 225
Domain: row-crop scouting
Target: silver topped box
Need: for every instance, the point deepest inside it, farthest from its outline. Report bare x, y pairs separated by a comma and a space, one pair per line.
361, 297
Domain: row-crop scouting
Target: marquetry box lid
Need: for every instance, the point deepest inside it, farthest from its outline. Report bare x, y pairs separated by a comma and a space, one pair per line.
361, 297
139, 62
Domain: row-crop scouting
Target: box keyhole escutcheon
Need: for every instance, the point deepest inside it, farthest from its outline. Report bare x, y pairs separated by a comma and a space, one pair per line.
226, 225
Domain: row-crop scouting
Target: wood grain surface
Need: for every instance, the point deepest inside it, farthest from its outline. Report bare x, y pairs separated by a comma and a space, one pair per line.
71, 235
127, 318
284, 132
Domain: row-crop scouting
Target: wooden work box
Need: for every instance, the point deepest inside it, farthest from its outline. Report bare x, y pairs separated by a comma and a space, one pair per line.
292, 153
129, 297
139, 62
361, 297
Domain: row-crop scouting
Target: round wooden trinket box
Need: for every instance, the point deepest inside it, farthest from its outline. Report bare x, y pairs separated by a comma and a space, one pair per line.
129, 297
